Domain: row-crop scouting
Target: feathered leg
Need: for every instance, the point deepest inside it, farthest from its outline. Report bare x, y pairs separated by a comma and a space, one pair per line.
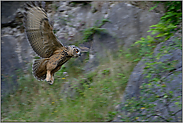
52, 79
48, 76
52, 74
51, 66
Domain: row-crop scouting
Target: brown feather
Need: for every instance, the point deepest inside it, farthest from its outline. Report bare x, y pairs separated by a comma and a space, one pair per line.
39, 31
43, 41
39, 68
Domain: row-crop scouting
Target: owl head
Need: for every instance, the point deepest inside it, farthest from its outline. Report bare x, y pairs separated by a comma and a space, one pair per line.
74, 51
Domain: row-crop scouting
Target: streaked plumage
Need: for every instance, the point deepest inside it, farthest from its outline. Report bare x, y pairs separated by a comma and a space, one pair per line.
43, 41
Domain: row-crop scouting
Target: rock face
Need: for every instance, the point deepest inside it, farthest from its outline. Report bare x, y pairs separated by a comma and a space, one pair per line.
172, 78
16, 52
16, 55
10, 12
127, 24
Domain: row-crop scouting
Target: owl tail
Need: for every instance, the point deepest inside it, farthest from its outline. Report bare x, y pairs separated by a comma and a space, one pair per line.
39, 68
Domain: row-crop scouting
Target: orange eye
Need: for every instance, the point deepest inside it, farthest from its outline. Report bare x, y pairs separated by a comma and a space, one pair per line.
77, 50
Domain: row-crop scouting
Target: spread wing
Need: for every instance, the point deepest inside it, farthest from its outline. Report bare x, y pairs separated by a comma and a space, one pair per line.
38, 30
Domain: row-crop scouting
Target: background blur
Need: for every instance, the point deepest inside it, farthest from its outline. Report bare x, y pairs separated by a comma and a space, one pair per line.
131, 72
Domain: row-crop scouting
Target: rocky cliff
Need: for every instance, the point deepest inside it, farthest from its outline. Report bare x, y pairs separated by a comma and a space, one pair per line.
163, 90
127, 23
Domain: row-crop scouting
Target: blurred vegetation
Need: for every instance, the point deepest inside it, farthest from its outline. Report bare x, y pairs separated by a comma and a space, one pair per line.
156, 90
161, 32
88, 33
95, 94
95, 97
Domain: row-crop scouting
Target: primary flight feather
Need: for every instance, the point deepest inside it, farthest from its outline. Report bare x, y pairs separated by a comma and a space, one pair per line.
43, 41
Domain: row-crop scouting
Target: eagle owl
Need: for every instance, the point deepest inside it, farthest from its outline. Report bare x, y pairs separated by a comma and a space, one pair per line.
43, 41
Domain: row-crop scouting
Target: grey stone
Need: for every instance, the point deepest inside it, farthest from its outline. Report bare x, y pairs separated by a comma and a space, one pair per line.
8, 10
16, 55
171, 78
128, 24
9, 65
11, 13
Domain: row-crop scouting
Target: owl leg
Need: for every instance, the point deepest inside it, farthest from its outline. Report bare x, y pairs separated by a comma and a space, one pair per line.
48, 76
52, 79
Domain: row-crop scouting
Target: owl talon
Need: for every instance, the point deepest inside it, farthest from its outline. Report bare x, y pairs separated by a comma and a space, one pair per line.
51, 83
48, 80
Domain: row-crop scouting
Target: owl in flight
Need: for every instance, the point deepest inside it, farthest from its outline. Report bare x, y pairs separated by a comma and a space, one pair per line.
43, 41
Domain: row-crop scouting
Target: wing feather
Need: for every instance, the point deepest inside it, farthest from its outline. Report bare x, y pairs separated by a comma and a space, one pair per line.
39, 32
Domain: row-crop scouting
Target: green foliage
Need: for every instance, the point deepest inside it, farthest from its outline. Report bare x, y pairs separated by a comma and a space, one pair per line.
98, 92
36, 57
163, 30
103, 22
173, 12
95, 94
106, 72
153, 7
88, 33
178, 43
142, 108
145, 45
